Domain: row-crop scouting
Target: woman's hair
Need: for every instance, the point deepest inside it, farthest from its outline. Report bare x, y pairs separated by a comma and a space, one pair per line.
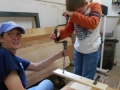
1, 42
72, 5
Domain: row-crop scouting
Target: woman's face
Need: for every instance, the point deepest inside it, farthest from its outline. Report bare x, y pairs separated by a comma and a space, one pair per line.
12, 39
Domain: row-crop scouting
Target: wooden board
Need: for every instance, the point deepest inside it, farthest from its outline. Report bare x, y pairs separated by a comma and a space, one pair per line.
67, 87
79, 86
80, 79
40, 31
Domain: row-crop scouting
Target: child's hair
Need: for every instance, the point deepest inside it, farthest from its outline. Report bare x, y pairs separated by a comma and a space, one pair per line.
72, 5
1, 42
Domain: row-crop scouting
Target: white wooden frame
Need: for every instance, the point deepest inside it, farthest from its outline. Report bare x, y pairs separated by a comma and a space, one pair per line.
80, 79
55, 1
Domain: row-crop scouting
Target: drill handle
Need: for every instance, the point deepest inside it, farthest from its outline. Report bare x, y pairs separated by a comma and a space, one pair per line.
96, 80
55, 32
65, 44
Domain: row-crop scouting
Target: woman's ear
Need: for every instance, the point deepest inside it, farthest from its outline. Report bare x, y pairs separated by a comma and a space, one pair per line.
1, 40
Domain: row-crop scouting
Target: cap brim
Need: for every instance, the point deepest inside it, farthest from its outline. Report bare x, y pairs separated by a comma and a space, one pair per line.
12, 27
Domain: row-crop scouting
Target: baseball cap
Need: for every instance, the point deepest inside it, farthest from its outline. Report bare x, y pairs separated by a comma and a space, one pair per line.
7, 26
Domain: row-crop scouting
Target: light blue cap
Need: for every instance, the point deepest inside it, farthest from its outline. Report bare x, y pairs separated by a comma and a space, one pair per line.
7, 26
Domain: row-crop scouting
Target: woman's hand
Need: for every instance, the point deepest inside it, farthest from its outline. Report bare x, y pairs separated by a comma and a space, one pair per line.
63, 53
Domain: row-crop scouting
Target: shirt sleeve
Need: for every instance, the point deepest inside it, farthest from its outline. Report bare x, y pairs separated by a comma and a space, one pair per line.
25, 63
66, 31
7, 64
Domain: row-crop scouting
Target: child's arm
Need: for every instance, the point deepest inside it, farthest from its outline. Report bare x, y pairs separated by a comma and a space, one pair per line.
91, 21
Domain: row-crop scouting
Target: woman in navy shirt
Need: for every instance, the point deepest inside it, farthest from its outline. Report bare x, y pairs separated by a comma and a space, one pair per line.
12, 75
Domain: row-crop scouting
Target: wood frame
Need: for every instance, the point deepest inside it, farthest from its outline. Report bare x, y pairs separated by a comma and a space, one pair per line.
53, 1
22, 14
67, 87
80, 79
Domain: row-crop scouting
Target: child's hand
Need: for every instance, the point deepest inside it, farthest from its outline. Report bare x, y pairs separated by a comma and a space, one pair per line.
67, 13
53, 36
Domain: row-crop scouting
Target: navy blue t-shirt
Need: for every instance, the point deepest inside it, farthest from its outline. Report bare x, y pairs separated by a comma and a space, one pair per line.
9, 62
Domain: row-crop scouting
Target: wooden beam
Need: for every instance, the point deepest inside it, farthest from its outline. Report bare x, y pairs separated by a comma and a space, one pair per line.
80, 79
67, 87
40, 31
54, 1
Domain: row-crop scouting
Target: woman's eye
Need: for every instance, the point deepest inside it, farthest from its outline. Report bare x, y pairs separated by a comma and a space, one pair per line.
9, 33
19, 34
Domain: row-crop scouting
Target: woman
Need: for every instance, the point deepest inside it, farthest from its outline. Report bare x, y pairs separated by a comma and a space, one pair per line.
12, 75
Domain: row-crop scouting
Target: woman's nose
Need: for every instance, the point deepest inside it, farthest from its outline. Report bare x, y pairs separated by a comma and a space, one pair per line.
15, 36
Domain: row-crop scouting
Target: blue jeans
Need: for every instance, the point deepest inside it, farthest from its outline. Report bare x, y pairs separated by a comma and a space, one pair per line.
44, 85
86, 64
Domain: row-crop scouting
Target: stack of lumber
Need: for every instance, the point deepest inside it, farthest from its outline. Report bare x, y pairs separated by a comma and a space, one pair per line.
36, 46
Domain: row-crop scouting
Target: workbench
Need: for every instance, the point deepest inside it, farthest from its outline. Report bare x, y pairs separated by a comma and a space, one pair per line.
67, 87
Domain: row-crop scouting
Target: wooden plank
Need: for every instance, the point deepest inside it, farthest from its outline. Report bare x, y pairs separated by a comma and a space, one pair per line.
34, 77
67, 87
39, 52
37, 37
40, 44
40, 31
79, 86
80, 79
54, 1
34, 42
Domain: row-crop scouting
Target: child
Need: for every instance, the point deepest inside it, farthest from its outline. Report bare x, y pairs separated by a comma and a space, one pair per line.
84, 20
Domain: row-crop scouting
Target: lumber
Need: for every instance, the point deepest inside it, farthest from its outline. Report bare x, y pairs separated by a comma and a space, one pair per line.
40, 45
40, 31
79, 86
67, 87
80, 79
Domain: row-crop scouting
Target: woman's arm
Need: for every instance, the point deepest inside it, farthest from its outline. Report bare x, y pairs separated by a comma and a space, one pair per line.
43, 64
13, 82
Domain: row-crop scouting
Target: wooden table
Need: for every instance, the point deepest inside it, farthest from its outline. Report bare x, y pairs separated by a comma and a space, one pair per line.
67, 87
